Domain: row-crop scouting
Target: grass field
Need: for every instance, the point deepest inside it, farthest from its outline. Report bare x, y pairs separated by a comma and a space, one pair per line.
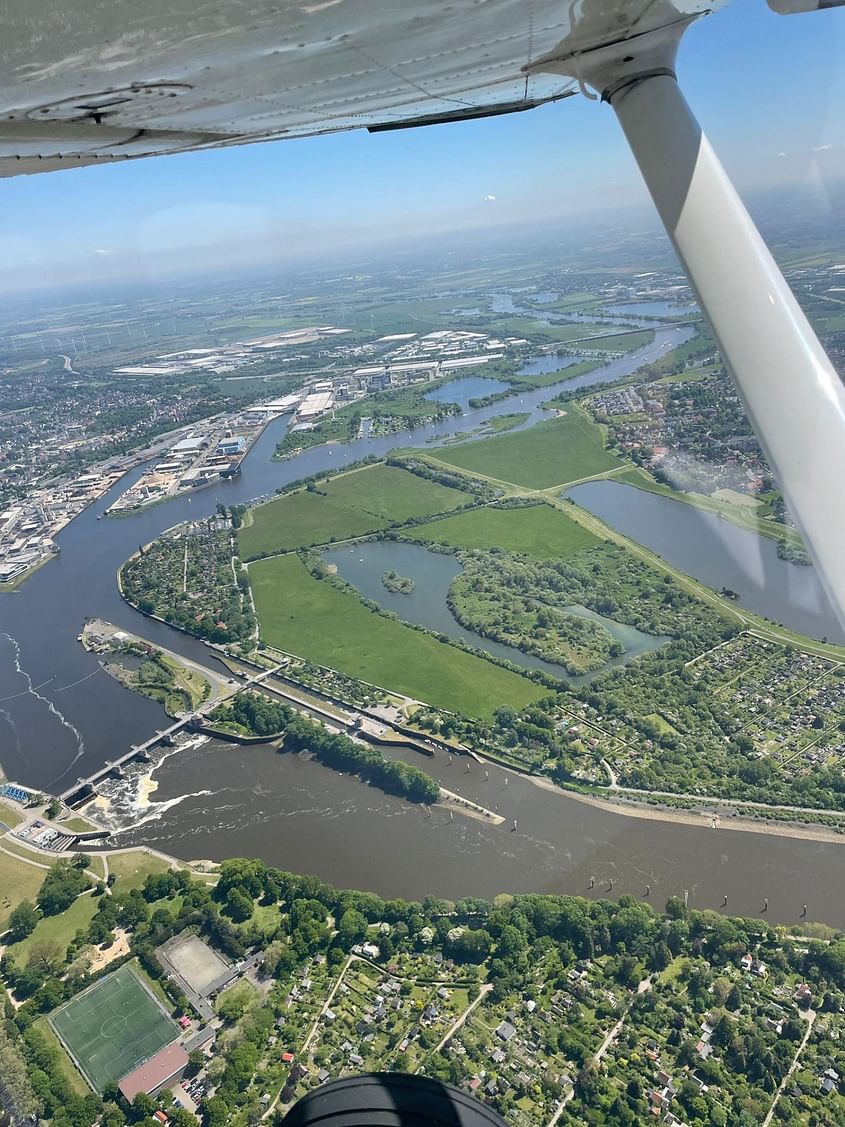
350, 505
112, 1027
299, 520
394, 494
546, 379
132, 869
309, 617
18, 881
622, 342
539, 531
58, 929
555, 452
81, 825
10, 816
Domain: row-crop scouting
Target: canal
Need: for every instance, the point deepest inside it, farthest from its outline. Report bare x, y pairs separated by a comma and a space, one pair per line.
718, 553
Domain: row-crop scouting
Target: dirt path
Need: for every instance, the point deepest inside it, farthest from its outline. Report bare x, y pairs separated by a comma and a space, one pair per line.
811, 1017
456, 1025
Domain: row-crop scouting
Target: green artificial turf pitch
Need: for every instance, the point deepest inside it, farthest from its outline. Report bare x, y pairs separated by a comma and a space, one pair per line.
112, 1027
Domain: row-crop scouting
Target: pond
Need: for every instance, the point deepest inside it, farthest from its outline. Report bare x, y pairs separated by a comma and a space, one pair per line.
432, 572
464, 388
553, 362
653, 308
717, 553
504, 303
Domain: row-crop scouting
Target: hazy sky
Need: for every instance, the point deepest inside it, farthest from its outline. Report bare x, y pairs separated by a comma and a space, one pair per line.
769, 90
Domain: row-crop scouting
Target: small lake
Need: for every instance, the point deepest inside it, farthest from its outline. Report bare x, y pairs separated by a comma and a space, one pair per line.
653, 308
717, 553
464, 388
363, 565
504, 303
554, 362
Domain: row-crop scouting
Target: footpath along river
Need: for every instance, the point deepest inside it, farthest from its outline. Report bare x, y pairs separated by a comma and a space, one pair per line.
61, 717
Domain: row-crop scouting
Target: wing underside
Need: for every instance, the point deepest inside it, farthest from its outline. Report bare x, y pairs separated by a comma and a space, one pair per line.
97, 81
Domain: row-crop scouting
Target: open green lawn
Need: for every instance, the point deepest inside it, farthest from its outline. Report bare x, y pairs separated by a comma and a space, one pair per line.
309, 617
265, 917
555, 452
132, 869
350, 505
18, 881
58, 929
113, 1027
81, 825
661, 724
10, 815
539, 531
301, 519
394, 494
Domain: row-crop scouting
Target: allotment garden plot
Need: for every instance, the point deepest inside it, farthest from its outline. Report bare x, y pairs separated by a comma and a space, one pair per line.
791, 703
113, 1027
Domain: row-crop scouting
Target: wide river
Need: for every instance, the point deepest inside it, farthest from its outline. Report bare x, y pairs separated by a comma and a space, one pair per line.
61, 717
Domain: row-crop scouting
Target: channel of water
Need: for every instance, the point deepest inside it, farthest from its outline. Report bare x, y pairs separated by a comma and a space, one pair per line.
432, 572
718, 553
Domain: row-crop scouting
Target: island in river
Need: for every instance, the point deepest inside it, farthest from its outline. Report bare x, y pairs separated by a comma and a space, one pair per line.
536, 670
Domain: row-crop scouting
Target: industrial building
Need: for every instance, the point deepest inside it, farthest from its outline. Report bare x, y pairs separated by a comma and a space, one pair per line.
190, 445
236, 444
314, 405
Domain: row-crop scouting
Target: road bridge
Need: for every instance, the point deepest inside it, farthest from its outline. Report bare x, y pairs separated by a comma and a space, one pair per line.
84, 786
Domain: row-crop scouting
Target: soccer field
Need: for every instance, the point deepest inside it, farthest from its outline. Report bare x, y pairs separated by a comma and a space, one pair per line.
112, 1027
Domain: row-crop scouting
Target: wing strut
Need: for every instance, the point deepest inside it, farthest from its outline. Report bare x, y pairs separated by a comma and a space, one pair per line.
792, 393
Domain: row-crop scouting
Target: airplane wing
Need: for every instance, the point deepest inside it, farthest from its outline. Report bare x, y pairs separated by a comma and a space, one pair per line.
98, 81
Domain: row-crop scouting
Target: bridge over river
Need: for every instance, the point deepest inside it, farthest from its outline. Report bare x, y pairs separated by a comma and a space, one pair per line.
84, 787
